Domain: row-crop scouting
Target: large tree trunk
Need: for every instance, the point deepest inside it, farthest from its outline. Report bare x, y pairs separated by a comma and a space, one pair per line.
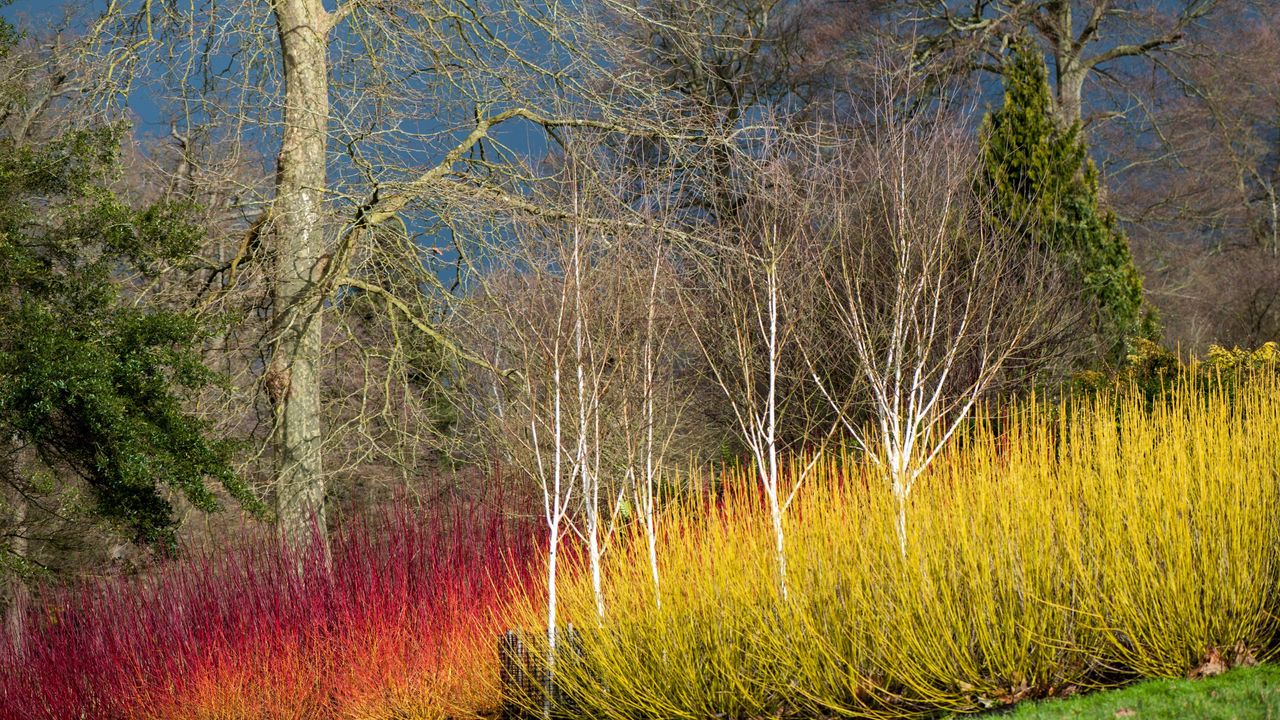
1070, 68
1071, 74
293, 377
16, 594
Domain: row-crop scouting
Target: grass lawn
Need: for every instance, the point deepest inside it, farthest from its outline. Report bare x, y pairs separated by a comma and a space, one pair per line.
1241, 693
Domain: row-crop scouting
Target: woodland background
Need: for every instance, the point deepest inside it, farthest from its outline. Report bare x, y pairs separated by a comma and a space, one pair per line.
277, 264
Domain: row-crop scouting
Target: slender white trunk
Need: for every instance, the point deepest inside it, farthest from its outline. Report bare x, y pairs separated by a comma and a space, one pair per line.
597, 585
554, 504
647, 497
653, 566
898, 460
552, 488
553, 542
780, 547
649, 519
552, 551
771, 429
590, 481
549, 681
900, 495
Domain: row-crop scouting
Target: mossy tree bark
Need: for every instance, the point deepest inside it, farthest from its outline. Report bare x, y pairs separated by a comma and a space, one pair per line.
293, 377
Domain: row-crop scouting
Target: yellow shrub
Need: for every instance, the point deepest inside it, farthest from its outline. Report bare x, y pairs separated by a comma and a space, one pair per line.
1102, 540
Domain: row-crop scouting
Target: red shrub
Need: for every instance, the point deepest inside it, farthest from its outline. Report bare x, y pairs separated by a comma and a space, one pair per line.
404, 619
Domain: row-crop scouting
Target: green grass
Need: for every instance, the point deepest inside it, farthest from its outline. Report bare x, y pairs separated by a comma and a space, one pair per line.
1244, 693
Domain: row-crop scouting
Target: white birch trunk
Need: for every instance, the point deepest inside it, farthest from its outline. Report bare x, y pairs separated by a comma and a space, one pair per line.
771, 429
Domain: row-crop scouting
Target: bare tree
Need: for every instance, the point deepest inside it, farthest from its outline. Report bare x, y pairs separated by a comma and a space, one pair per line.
649, 430
936, 305
544, 319
1200, 192
533, 420
718, 64
1084, 38
744, 305
381, 116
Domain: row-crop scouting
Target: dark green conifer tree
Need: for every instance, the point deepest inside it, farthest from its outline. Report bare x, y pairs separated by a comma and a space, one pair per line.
1041, 181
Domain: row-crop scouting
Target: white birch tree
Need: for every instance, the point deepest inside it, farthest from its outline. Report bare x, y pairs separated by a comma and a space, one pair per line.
742, 310
549, 305
652, 452
933, 302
